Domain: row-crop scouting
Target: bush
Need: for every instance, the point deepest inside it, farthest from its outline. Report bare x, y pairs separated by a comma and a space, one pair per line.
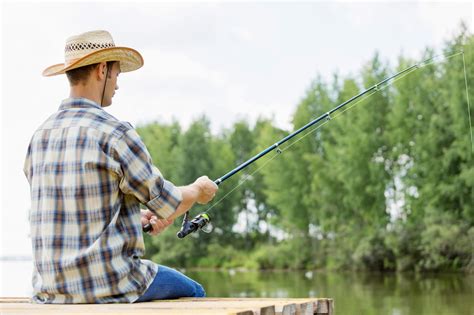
446, 244
289, 254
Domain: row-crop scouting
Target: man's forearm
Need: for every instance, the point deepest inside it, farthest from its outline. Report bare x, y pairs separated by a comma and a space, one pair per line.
190, 194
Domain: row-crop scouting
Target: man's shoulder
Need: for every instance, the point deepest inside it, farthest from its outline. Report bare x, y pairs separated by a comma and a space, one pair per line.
93, 118
110, 124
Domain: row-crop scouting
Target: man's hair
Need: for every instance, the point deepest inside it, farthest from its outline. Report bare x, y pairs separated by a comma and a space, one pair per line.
78, 75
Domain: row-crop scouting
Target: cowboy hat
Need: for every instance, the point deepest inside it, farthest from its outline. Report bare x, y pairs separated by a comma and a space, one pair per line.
94, 47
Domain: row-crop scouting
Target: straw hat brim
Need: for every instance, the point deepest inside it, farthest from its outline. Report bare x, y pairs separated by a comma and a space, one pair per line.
129, 59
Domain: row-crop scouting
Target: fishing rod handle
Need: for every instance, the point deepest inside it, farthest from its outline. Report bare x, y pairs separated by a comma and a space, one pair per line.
147, 227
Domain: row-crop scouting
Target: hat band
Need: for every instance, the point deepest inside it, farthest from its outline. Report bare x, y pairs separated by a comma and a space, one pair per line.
77, 50
86, 46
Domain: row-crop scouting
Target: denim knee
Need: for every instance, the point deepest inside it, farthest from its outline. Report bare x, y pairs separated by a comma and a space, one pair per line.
199, 292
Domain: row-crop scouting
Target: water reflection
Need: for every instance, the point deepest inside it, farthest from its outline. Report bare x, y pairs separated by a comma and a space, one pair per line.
354, 293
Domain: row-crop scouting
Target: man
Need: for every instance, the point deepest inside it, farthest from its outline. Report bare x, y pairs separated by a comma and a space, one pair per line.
89, 173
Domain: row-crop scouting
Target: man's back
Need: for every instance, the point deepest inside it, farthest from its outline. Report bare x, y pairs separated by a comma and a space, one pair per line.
86, 232
88, 175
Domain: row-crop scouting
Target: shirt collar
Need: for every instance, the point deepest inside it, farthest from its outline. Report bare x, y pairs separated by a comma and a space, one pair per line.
78, 103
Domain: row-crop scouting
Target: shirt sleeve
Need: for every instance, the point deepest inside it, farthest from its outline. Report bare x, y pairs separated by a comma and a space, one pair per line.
142, 179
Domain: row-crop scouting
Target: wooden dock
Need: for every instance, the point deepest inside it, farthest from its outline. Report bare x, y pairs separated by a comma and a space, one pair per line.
184, 306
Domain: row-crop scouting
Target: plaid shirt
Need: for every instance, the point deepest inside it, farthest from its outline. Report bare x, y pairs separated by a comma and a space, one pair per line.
88, 174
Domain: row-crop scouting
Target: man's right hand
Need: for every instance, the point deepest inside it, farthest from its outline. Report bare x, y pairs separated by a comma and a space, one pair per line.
201, 191
207, 189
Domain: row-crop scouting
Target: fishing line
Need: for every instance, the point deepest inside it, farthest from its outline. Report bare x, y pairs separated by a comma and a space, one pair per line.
200, 221
468, 104
247, 176
348, 108
310, 131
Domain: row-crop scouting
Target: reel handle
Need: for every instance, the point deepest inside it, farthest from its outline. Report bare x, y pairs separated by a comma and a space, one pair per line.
147, 228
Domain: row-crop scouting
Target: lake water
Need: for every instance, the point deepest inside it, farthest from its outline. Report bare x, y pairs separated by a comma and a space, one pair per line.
362, 293
353, 293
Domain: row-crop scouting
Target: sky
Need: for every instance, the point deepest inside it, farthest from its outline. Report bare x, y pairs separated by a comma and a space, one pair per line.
226, 60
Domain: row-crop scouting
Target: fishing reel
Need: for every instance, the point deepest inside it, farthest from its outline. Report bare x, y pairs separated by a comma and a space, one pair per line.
200, 222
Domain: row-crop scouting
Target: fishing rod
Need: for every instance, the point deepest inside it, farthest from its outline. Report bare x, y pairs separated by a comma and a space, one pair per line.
202, 220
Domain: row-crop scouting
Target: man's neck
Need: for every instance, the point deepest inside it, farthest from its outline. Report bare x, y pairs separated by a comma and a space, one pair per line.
85, 91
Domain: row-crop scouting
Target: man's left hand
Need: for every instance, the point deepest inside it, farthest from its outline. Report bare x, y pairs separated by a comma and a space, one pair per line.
158, 225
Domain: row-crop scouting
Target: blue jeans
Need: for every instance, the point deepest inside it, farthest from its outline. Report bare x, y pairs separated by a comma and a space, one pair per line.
171, 284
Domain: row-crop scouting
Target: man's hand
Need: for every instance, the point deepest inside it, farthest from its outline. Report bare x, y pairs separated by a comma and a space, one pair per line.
207, 189
201, 191
158, 225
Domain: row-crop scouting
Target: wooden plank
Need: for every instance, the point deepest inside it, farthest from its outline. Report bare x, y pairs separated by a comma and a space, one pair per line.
259, 307
305, 308
93, 309
286, 309
89, 309
322, 308
21, 306
14, 300
269, 310
156, 312
331, 306
303, 305
300, 305
240, 306
325, 307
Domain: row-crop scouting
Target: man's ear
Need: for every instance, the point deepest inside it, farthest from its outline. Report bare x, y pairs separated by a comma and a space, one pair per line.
101, 70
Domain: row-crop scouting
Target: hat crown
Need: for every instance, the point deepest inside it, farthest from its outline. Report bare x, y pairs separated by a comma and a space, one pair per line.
78, 46
94, 47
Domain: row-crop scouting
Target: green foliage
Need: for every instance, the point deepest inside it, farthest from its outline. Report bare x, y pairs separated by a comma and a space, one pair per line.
445, 243
387, 185
224, 256
289, 254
